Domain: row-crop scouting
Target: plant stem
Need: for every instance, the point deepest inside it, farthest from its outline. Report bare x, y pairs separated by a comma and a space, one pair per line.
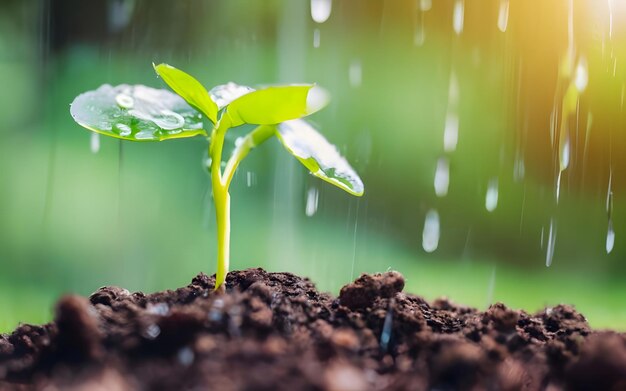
222, 201
222, 214
221, 183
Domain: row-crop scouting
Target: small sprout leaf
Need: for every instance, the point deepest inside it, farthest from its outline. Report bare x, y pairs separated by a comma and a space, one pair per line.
273, 105
223, 94
189, 89
318, 155
136, 113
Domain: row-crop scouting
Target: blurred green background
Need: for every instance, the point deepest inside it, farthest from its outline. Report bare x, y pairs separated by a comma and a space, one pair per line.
459, 116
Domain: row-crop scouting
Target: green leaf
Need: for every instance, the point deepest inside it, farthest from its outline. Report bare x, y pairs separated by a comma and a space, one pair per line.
274, 105
223, 94
318, 155
189, 89
136, 113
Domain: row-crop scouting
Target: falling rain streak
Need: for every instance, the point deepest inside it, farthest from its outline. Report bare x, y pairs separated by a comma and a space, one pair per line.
610, 238
320, 10
503, 15
355, 73
458, 16
610, 233
551, 243
442, 177
316, 38
430, 235
94, 142
491, 198
312, 198
451, 129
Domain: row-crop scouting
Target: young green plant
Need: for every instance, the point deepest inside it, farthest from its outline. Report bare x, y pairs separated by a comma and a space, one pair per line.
140, 113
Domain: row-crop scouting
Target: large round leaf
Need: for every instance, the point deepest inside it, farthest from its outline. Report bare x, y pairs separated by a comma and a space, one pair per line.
273, 105
136, 113
318, 155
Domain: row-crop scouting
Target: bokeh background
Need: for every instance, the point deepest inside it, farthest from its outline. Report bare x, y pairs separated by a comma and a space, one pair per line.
489, 134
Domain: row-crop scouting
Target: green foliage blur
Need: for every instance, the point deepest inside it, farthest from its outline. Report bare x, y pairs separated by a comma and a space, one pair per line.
140, 215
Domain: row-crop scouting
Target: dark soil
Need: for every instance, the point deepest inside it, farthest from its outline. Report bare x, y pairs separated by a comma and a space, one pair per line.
275, 331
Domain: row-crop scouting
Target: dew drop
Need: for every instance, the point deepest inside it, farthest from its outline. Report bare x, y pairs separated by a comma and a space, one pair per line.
94, 142
355, 73
320, 10
491, 198
123, 129
551, 243
564, 153
458, 16
503, 15
125, 101
312, 198
168, 120
442, 177
430, 235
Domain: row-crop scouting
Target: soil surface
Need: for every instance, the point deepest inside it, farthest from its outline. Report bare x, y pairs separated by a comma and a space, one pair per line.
275, 331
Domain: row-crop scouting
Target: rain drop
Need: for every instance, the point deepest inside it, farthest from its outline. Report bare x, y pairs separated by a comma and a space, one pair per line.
320, 10
430, 235
426, 5
557, 192
355, 73
316, 38
491, 199
458, 16
451, 129
581, 77
564, 153
610, 238
503, 15
451, 132
312, 198
94, 142
551, 242
250, 179
442, 177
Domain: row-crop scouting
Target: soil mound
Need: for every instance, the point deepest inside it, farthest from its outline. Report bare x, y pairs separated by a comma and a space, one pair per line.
275, 331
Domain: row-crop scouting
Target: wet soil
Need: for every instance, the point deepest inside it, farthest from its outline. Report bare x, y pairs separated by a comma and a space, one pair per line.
275, 331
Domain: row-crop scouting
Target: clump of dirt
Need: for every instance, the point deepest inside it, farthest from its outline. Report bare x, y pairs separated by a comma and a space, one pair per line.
275, 331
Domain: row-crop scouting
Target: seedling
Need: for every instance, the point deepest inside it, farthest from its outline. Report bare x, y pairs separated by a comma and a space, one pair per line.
140, 113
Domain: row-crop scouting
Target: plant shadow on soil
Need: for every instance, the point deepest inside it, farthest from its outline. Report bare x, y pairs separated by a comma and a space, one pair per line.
275, 331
